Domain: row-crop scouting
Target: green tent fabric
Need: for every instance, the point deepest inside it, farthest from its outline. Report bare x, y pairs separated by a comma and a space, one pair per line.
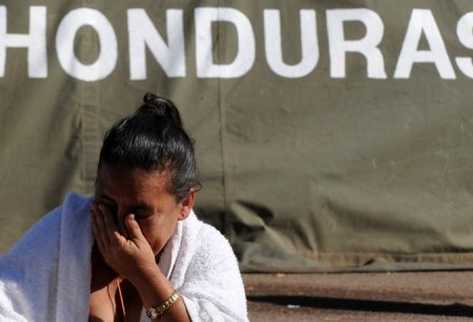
330, 135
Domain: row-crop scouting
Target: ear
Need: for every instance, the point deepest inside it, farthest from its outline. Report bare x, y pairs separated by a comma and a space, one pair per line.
186, 205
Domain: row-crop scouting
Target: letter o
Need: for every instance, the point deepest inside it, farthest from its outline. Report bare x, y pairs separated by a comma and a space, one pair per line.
65, 37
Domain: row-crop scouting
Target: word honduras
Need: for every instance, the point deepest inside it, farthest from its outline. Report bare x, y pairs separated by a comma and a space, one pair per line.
143, 36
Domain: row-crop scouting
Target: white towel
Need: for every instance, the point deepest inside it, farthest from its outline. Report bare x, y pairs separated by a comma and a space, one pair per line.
46, 275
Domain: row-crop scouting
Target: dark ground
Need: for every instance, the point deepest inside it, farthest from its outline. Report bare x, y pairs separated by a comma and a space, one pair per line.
420, 296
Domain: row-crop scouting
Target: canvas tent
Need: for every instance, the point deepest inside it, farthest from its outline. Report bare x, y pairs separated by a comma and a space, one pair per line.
330, 135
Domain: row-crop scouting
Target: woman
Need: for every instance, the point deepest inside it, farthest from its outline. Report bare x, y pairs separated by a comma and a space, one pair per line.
150, 258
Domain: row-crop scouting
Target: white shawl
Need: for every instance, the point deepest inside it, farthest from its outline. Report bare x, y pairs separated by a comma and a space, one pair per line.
46, 275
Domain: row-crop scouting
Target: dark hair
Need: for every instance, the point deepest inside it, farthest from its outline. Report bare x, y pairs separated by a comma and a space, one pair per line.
153, 138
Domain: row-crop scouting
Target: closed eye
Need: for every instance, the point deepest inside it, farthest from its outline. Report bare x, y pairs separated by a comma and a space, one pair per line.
109, 205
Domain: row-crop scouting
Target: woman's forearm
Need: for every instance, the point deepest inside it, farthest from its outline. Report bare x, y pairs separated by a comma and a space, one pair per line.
154, 289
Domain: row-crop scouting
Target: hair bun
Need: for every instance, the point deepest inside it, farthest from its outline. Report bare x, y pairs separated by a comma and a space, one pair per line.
160, 106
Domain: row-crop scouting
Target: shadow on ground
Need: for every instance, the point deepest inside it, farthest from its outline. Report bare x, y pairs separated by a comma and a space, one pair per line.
454, 309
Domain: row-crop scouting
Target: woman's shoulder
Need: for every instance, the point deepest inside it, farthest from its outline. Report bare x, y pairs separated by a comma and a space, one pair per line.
41, 234
211, 245
76, 201
45, 232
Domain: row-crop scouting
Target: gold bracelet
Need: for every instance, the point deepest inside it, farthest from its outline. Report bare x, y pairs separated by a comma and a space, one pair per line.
158, 310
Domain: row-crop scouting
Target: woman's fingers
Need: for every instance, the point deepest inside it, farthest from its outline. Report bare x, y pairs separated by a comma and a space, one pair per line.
110, 228
133, 228
122, 254
99, 238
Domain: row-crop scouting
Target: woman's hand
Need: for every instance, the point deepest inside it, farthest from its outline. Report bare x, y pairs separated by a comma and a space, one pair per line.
129, 256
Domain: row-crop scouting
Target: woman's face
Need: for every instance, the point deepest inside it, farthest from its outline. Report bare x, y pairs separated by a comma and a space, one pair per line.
123, 191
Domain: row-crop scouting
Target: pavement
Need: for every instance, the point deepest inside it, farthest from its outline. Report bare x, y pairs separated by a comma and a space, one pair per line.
364, 297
